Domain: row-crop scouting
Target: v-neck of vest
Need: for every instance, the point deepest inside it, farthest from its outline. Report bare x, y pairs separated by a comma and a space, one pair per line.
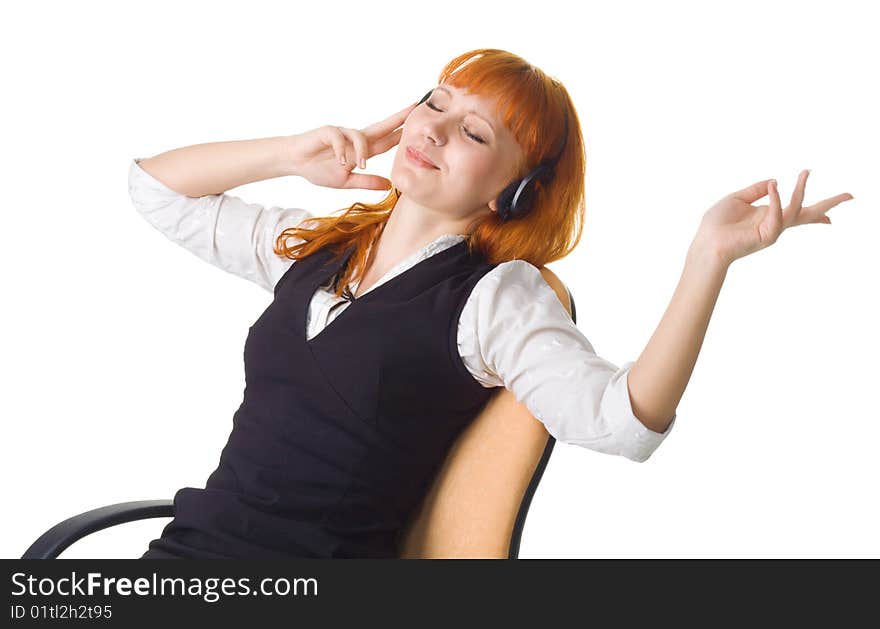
336, 267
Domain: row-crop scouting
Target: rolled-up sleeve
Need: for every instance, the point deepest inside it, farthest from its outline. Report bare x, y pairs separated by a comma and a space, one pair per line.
221, 229
514, 332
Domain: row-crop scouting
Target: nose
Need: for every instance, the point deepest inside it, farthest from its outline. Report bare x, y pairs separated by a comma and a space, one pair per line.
433, 130
434, 133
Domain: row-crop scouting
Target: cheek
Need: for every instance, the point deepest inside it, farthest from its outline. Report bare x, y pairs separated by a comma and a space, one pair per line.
471, 166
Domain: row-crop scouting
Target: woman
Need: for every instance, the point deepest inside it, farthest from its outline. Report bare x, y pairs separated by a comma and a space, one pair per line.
392, 323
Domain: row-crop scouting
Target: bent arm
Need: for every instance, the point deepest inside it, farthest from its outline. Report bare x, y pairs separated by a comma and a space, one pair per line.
221, 229
208, 169
659, 377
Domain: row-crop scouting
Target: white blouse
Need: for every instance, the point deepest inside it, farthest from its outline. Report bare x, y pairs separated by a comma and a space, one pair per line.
513, 330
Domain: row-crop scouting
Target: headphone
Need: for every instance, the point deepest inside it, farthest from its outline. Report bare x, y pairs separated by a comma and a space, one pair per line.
516, 200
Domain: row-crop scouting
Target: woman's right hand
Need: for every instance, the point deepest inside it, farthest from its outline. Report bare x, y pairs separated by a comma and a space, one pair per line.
316, 154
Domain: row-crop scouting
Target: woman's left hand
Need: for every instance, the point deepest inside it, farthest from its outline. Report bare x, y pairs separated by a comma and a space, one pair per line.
733, 228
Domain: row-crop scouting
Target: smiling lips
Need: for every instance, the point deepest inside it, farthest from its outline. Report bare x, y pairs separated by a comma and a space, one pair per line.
419, 158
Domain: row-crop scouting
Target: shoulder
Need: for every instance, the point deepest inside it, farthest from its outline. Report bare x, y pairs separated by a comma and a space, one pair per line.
520, 276
558, 287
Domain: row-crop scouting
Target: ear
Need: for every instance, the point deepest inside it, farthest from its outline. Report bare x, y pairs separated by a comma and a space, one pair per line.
493, 204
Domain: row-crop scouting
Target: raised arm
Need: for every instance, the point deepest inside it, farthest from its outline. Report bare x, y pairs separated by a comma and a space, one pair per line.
213, 168
180, 193
660, 375
731, 229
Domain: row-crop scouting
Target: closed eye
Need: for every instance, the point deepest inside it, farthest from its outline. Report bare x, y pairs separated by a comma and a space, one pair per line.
468, 133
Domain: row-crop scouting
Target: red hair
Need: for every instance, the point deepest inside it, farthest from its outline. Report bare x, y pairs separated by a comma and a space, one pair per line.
532, 106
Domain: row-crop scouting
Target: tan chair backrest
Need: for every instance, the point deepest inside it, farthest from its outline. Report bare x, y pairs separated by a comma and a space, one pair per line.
472, 506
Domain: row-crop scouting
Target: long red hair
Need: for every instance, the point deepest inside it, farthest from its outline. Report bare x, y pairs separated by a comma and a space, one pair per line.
532, 106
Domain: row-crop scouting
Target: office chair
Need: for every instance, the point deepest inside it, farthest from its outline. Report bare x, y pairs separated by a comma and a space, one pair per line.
476, 507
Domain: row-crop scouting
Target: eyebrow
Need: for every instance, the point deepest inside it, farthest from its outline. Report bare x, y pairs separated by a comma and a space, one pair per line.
472, 111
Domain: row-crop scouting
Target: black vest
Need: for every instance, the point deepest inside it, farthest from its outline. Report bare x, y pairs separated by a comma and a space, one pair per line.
339, 437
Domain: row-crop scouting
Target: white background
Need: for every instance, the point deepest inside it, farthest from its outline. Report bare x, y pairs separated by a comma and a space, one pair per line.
122, 352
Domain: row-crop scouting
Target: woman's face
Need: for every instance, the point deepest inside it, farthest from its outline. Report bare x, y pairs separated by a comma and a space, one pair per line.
474, 154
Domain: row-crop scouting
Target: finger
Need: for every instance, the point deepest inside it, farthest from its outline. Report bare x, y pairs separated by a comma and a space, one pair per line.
382, 128
386, 142
753, 192
797, 197
360, 145
367, 182
774, 214
826, 204
792, 214
337, 141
